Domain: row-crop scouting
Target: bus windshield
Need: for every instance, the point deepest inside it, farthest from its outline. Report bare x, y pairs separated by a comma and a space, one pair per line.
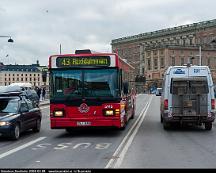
79, 83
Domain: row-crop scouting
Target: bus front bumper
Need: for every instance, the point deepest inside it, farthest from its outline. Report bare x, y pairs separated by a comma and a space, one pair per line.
192, 119
60, 123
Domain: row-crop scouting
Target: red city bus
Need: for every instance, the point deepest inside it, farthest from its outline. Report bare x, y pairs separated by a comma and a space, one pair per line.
90, 90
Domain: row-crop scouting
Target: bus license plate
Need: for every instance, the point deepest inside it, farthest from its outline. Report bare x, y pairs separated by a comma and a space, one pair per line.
83, 123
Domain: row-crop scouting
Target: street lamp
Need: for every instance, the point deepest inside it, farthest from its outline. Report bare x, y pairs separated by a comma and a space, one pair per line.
10, 40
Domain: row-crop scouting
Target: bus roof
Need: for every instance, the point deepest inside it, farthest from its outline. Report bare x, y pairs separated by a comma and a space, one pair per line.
79, 59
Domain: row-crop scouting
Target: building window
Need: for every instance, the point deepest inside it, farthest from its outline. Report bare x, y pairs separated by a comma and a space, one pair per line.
29, 74
161, 52
38, 75
5, 79
26, 79
162, 62
209, 61
17, 74
149, 63
5, 74
34, 74
155, 63
21, 74
25, 74
21, 79
184, 41
17, 79
191, 41
143, 70
172, 61
148, 54
182, 61
30, 79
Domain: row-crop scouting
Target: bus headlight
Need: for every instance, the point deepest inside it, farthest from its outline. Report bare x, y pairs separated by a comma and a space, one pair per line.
58, 113
4, 123
109, 112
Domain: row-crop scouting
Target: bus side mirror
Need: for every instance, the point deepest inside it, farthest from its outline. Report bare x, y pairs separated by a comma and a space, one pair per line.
125, 87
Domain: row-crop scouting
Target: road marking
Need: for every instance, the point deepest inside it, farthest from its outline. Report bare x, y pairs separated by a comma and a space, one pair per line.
21, 147
120, 152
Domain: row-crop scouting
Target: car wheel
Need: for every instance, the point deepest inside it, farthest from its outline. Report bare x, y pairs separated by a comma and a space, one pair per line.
161, 119
38, 126
16, 132
166, 125
208, 126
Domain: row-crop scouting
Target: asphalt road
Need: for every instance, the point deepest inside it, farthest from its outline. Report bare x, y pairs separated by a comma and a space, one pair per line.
143, 144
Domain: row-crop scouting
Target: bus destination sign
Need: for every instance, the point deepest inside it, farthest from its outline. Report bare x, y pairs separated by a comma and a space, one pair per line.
83, 61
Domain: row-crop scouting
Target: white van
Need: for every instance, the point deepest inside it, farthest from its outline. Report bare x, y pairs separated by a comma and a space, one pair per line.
188, 96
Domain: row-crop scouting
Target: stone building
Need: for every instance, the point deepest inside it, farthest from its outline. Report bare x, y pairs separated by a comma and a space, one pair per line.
22, 74
153, 52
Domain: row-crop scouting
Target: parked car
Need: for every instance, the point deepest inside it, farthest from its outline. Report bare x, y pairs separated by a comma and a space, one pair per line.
27, 89
158, 91
18, 114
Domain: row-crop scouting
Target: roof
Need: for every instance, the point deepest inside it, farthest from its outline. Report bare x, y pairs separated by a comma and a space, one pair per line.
30, 68
168, 31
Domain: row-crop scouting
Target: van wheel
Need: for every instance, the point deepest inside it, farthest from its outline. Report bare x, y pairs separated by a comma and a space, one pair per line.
38, 126
208, 126
16, 132
166, 125
161, 119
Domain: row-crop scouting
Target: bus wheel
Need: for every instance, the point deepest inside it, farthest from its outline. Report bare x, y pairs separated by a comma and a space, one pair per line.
124, 123
69, 130
133, 113
208, 126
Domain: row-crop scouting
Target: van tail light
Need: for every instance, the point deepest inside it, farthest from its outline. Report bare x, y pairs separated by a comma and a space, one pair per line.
166, 104
213, 103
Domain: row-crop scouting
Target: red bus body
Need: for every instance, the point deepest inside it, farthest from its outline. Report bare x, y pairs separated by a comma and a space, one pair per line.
85, 111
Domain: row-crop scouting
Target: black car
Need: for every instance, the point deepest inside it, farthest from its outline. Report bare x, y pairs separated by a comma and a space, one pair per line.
17, 114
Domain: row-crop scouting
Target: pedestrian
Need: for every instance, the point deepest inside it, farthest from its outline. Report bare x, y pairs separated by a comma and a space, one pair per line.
39, 93
43, 93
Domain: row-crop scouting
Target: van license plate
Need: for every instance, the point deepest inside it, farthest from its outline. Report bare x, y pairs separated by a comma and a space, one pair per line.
83, 123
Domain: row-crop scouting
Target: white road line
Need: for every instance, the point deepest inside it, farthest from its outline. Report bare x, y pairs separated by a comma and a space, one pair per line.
126, 142
20, 147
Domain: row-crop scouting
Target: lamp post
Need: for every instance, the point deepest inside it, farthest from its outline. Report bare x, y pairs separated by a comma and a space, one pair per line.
10, 40
200, 51
200, 55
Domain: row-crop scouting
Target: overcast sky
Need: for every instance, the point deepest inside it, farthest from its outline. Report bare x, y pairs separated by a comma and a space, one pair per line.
38, 27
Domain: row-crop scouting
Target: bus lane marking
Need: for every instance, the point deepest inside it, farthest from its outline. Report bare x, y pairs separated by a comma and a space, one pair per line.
21, 147
64, 146
118, 156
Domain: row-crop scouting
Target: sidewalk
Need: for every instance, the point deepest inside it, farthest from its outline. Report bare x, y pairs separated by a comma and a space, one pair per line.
44, 102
